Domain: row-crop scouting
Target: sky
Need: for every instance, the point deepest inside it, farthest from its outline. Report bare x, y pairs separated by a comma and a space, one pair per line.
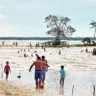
25, 18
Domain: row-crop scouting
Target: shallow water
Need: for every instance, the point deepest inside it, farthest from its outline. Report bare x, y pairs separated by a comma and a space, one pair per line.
80, 70
83, 83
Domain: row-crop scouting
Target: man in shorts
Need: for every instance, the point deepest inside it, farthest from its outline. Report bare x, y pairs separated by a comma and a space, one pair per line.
38, 71
7, 69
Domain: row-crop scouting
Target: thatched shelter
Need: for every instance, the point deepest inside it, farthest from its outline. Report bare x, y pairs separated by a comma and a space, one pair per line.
50, 43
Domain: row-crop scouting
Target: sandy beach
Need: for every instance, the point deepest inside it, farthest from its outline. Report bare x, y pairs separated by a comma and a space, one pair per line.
47, 47
80, 70
8, 89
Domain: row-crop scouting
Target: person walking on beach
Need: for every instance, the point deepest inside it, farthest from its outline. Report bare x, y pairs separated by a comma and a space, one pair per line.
62, 76
38, 71
45, 68
7, 69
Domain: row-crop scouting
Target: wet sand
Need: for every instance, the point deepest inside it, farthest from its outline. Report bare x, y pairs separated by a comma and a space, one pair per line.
8, 89
83, 82
80, 70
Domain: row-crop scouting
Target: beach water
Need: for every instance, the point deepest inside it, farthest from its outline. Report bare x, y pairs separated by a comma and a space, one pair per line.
80, 69
83, 83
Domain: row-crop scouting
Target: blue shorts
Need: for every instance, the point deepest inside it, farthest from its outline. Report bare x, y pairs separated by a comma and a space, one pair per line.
44, 72
38, 74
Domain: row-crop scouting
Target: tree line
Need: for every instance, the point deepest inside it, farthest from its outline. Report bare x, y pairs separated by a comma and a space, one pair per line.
59, 27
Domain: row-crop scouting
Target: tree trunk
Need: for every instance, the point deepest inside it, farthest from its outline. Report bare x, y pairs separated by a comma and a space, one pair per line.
57, 41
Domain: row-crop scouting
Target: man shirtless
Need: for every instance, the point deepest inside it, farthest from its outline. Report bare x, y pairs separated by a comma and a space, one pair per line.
38, 71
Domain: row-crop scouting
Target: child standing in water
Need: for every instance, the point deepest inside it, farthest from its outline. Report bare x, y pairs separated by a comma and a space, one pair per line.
45, 68
7, 69
62, 76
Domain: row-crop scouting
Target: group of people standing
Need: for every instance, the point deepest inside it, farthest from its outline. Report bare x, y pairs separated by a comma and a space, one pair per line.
41, 67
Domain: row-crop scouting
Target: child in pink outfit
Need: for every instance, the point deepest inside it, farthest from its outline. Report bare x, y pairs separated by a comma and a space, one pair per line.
7, 69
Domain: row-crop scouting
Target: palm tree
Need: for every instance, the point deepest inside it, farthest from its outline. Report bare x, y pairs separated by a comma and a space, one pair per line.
93, 24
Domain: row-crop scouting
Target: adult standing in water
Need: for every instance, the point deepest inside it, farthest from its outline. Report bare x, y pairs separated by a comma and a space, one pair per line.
38, 71
45, 68
7, 69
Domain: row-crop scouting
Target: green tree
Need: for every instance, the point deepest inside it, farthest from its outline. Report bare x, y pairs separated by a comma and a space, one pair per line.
59, 27
93, 43
86, 41
93, 24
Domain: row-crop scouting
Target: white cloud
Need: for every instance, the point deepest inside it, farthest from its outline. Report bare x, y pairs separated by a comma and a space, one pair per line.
9, 31
2, 16
1, 6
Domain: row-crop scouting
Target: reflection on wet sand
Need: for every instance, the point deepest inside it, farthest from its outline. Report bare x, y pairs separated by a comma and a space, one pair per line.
61, 92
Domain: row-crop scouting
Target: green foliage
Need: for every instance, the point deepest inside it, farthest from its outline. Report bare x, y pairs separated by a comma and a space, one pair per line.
68, 46
93, 43
79, 45
86, 41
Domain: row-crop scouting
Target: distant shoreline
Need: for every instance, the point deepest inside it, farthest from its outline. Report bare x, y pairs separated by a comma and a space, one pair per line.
43, 38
